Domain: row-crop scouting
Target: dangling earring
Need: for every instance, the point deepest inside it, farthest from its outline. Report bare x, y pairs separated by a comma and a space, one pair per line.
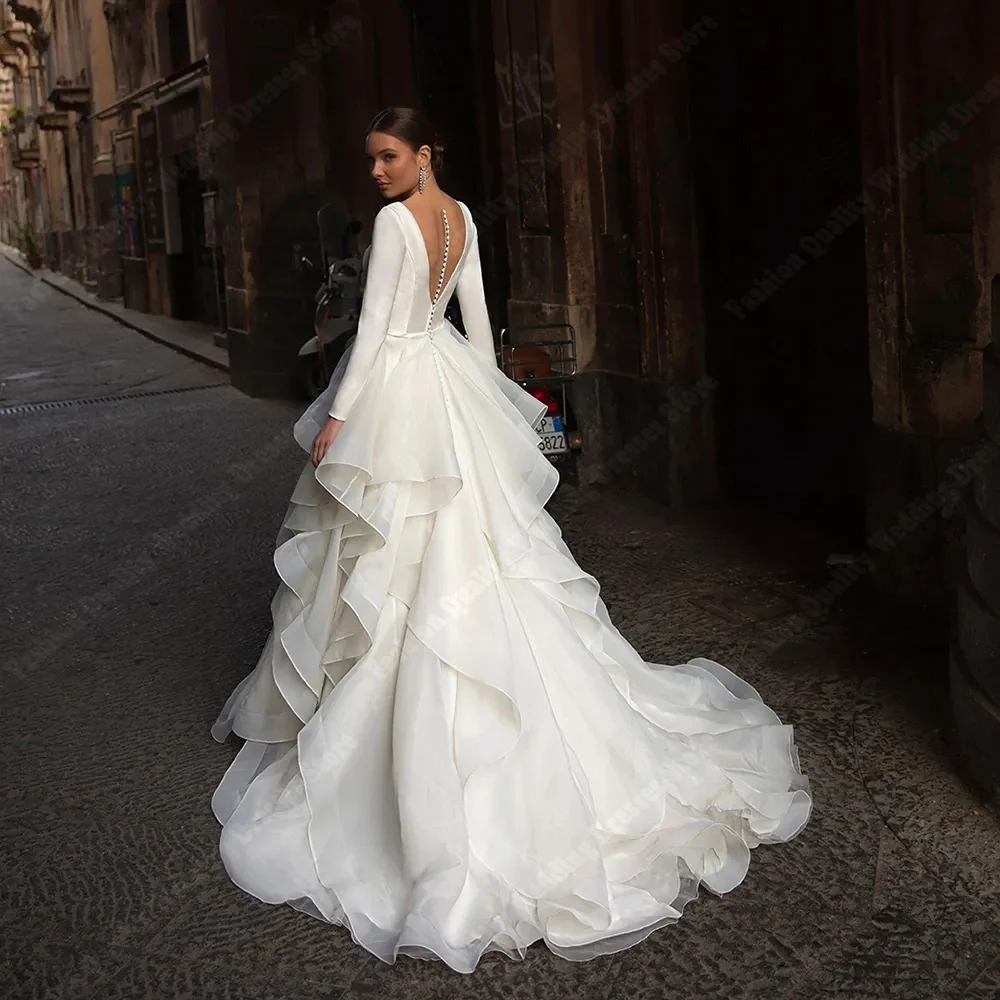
422, 183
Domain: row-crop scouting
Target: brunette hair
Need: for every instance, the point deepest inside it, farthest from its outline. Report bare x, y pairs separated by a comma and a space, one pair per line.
412, 127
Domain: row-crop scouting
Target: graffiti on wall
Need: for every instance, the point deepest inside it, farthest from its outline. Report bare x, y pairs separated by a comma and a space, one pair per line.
524, 81
128, 213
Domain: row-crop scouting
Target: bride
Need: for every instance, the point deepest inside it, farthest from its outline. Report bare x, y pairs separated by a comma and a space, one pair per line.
449, 748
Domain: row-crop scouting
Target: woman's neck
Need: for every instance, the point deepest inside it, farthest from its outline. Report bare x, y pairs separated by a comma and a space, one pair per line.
430, 193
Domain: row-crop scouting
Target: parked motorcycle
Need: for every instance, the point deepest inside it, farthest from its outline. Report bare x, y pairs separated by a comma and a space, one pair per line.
545, 368
338, 299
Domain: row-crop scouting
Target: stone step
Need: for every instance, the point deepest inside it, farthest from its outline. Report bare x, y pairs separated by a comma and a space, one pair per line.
991, 393
982, 555
978, 635
975, 727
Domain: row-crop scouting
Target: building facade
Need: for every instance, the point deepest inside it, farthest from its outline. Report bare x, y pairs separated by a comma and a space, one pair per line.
584, 200
768, 230
767, 264
21, 158
115, 94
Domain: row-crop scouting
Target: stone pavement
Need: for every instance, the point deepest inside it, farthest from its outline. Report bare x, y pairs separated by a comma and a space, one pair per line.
195, 340
137, 539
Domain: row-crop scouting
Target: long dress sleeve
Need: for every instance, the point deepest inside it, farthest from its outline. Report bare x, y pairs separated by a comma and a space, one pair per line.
384, 268
472, 301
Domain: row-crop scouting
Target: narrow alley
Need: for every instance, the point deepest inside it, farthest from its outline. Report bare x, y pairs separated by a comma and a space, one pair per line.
138, 523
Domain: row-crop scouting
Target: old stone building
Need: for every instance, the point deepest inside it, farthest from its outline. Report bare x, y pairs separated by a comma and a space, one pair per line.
160, 69
707, 202
115, 93
20, 160
584, 200
768, 230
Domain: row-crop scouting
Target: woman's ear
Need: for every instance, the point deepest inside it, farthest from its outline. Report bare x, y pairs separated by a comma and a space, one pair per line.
424, 156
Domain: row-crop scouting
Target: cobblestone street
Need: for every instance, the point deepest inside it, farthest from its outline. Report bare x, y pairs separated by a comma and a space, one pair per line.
137, 575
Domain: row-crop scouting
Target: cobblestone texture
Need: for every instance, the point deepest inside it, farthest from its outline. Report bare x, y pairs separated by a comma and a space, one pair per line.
137, 539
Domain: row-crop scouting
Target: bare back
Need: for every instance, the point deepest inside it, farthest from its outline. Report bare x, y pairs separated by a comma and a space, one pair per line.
429, 218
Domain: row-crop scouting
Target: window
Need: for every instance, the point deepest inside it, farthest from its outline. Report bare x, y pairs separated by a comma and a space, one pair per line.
177, 32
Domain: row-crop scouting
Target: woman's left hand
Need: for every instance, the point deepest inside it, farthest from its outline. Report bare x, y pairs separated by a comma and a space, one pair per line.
324, 439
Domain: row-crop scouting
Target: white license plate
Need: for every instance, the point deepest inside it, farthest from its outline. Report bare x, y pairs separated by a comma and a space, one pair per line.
552, 437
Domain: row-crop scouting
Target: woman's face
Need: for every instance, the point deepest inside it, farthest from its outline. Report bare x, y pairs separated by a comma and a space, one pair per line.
395, 168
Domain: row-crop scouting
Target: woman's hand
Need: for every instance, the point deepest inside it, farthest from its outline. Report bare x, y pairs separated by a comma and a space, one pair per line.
324, 439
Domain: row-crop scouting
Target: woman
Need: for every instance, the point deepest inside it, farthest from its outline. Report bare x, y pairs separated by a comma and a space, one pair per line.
449, 747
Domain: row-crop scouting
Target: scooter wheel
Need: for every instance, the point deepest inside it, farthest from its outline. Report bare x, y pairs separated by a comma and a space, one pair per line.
310, 379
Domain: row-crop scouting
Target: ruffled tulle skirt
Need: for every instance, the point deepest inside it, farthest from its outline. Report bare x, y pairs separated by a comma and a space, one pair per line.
449, 747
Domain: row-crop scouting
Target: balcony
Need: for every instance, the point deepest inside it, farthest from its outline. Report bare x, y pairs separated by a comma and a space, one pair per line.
28, 11
53, 121
69, 96
10, 56
18, 36
27, 157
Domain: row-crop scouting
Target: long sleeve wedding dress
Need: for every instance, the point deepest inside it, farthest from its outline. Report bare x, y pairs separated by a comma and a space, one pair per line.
449, 748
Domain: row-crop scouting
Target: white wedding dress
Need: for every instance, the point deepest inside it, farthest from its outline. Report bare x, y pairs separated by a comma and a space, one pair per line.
449, 747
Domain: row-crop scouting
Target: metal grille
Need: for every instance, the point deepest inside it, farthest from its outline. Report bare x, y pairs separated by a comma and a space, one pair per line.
61, 404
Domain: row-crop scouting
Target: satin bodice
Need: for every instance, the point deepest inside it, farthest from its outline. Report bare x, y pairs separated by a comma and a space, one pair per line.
397, 298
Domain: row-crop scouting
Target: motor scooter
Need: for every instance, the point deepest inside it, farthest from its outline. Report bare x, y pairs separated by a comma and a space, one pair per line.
545, 368
338, 298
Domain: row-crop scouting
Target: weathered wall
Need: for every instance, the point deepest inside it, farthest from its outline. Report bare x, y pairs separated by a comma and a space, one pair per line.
67, 49
601, 229
296, 91
270, 98
975, 667
103, 265
927, 325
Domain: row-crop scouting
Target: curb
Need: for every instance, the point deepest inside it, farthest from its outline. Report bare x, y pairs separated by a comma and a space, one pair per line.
14, 256
85, 299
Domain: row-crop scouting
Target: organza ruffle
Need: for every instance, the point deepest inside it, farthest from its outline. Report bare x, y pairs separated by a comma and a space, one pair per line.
450, 748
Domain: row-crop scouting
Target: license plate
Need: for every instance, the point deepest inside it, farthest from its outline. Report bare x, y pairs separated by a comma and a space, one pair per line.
551, 436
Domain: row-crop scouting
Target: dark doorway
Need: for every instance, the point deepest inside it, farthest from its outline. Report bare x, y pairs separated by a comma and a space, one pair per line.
194, 292
776, 120
456, 81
